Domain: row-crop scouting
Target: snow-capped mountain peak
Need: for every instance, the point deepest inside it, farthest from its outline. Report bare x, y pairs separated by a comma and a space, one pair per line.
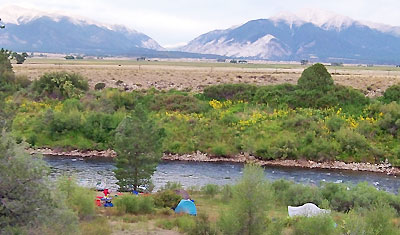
14, 14
324, 19
288, 18
36, 30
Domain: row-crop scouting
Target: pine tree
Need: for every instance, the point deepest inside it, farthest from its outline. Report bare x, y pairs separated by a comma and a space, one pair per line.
138, 143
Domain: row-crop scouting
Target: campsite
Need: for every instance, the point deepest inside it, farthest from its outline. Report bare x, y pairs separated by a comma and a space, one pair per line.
199, 117
158, 213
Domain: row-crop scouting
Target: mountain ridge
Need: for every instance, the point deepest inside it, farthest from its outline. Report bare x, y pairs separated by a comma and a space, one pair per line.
291, 37
39, 31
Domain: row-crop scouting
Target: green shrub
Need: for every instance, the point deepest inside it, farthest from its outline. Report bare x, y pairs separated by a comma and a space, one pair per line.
379, 220
339, 198
281, 95
335, 123
367, 196
146, 205
7, 76
127, 204
246, 213
373, 221
22, 81
317, 98
178, 102
298, 195
78, 198
226, 193
319, 149
275, 226
299, 122
314, 226
280, 188
367, 129
134, 205
100, 127
60, 85
202, 226
354, 224
230, 92
167, 198
220, 150
315, 77
165, 224
352, 142
99, 86
391, 118
210, 190
185, 223
285, 146
350, 100
172, 186
391, 94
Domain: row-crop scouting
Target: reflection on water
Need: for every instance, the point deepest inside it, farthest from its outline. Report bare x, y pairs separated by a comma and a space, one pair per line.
90, 171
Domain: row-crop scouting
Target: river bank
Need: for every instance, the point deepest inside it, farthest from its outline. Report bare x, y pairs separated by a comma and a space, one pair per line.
385, 168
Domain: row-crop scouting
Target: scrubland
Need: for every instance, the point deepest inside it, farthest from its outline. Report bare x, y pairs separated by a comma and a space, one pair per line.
197, 75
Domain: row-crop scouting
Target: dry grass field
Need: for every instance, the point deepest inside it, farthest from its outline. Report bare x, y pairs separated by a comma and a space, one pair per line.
197, 75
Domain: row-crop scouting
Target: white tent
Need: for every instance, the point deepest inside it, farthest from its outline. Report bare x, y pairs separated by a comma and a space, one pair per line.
308, 210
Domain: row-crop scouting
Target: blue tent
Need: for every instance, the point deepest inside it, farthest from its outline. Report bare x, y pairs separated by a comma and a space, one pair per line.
186, 206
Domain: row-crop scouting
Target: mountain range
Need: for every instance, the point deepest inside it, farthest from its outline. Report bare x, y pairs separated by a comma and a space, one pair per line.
312, 35
315, 36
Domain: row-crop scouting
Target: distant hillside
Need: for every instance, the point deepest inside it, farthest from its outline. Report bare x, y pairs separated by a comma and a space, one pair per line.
317, 36
63, 34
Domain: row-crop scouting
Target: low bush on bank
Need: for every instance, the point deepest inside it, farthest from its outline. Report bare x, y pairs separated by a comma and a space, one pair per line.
315, 226
166, 199
78, 198
210, 190
134, 205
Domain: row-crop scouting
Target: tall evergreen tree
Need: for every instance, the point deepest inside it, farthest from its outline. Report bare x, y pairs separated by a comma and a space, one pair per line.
138, 143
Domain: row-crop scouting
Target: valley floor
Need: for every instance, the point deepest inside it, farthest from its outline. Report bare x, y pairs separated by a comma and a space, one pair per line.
196, 75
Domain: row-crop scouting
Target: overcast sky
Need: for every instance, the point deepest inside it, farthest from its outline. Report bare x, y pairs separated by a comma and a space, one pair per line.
172, 22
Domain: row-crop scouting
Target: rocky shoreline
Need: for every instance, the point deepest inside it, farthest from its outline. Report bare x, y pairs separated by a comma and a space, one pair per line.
385, 168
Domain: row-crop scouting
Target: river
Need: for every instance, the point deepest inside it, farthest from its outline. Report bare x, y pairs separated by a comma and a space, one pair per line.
92, 170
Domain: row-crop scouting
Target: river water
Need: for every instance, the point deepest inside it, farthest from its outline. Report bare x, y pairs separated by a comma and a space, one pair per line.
92, 170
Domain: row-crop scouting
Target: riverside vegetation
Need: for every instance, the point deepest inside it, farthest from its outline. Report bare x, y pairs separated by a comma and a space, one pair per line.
314, 119
253, 206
